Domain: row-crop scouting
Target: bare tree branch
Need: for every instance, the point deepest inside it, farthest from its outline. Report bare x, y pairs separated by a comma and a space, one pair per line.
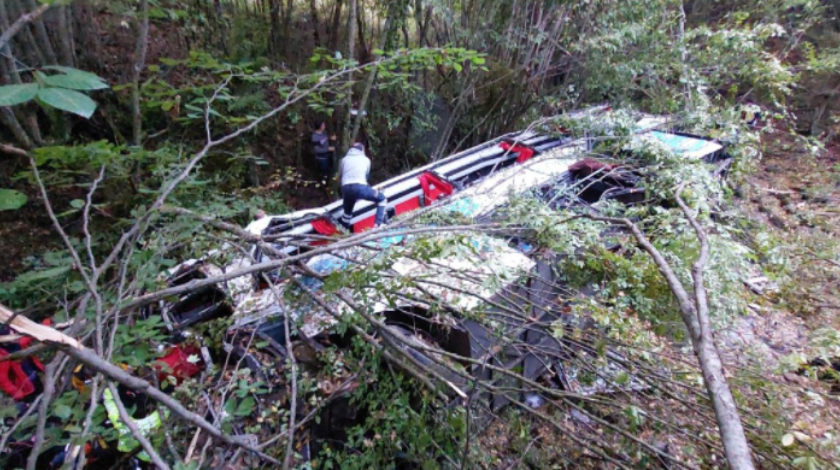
21, 22
12, 150
696, 318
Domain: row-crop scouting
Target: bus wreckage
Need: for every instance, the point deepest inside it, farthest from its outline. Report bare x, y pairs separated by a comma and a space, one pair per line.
466, 300
463, 307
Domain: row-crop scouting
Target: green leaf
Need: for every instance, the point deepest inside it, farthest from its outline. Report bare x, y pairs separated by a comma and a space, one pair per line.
68, 100
11, 200
245, 407
77, 203
75, 82
622, 378
457, 67
601, 347
230, 406
45, 274
63, 411
76, 73
11, 95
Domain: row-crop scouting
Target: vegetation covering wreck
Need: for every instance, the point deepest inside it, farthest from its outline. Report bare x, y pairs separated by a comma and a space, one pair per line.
458, 310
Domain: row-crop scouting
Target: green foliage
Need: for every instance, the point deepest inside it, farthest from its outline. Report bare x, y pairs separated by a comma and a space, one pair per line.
56, 91
67, 100
622, 51
638, 54
136, 341
72, 79
402, 420
11, 200
11, 95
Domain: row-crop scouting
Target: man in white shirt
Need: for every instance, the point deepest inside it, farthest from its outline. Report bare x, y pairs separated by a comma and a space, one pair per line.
354, 171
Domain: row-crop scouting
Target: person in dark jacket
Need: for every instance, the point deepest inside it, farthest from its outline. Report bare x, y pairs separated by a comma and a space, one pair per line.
355, 171
323, 150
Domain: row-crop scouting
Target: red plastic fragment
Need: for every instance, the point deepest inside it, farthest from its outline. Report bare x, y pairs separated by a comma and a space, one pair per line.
524, 153
178, 364
434, 186
324, 227
13, 380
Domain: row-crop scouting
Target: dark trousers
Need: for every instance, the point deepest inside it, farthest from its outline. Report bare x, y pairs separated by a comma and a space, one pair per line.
325, 165
353, 193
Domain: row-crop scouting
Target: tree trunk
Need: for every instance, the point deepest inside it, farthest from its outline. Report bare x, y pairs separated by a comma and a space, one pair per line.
9, 120
363, 54
335, 31
65, 37
351, 54
287, 23
42, 36
221, 30
29, 50
88, 30
443, 139
275, 29
351, 29
735, 443
10, 75
371, 79
25, 47
138, 66
316, 23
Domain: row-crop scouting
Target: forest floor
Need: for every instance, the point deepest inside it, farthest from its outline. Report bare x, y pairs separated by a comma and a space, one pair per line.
790, 206
24, 233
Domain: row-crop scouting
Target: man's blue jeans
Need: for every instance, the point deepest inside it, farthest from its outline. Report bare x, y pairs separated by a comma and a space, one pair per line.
324, 162
362, 192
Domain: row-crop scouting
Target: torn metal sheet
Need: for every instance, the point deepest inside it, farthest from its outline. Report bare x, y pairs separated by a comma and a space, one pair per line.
497, 189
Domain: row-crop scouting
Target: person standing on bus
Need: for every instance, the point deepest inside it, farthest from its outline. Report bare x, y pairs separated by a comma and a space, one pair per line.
355, 171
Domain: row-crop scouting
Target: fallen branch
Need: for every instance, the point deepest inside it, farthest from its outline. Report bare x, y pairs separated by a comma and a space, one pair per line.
695, 315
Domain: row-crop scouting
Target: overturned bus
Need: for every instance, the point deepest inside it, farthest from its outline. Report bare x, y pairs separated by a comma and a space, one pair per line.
454, 308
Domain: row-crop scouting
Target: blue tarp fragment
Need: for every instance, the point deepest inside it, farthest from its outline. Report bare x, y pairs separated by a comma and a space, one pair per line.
680, 144
465, 206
